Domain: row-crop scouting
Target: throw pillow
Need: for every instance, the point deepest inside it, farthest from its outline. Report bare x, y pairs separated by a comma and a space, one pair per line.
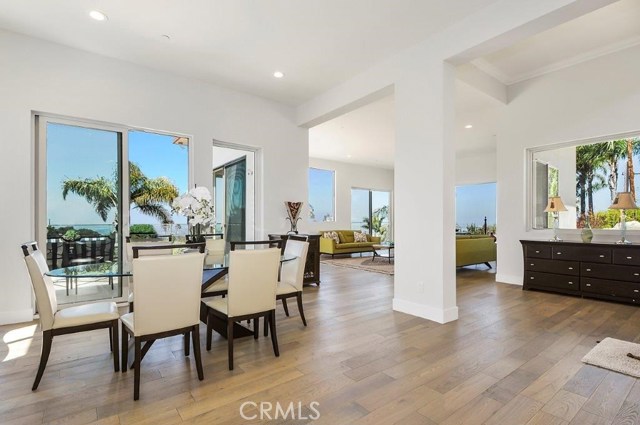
359, 237
332, 235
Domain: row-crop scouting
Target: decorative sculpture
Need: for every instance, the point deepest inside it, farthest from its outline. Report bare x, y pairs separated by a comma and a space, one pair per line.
293, 211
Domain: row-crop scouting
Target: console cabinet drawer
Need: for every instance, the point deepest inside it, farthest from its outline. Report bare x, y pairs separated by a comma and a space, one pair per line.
550, 266
552, 281
537, 251
611, 288
579, 253
626, 256
609, 271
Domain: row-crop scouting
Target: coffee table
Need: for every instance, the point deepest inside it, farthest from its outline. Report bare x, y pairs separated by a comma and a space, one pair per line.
384, 250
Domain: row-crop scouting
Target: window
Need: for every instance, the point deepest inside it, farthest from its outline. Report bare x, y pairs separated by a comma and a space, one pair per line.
322, 195
96, 183
371, 212
476, 208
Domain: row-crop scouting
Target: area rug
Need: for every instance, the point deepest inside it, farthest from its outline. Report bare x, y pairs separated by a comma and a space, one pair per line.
380, 265
612, 353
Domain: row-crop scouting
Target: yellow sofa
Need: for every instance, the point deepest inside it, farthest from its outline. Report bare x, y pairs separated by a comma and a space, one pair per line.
475, 249
347, 244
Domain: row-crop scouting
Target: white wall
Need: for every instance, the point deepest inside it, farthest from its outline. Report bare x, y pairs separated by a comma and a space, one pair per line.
41, 76
348, 176
596, 98
475, 168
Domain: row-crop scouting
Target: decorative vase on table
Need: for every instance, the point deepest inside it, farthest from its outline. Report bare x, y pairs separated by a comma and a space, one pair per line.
586, 234
293, 211
197, 206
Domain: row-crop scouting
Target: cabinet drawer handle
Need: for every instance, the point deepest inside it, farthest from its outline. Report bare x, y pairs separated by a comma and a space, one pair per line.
588, 284
537, 252
570, 268
558, 253
635, 290
588, 270
532, 264
636, 274
570, 283
601, 255
629, 258
532, 278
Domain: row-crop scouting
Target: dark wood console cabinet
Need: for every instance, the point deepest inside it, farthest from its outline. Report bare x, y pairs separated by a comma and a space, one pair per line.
312, 266
604, 271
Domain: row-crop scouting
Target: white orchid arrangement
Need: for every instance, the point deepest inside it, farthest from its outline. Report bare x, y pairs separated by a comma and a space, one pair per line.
197, 206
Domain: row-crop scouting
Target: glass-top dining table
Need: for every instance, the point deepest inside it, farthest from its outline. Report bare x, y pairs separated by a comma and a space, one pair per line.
215, 267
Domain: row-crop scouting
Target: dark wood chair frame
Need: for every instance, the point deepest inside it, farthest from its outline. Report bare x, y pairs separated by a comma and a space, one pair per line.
270, 244
141, 350
47, 336
269, 317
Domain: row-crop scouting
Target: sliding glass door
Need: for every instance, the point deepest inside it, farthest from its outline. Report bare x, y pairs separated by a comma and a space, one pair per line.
371, 212
93, 180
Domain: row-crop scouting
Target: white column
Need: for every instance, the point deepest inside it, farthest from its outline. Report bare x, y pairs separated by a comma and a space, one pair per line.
425, 281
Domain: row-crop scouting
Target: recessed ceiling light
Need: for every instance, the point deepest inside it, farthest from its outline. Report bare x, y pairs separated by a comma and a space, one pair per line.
278, 74
97, 15
468, 126
348, 156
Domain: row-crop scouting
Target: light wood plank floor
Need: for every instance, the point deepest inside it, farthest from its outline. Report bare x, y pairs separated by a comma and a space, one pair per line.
512, 358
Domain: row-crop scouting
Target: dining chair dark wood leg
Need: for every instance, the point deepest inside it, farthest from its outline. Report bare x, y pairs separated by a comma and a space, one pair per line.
256, 327
230, 341
47, 340
300, 308
125, 349
272, 329
187, 343
196, 351
136, 371
209, 330
286, 308
111, 339
266, 324
113, 331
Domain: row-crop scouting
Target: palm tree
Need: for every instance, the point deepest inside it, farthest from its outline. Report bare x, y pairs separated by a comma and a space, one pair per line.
376, 225
610, 153
150, 196
589, 160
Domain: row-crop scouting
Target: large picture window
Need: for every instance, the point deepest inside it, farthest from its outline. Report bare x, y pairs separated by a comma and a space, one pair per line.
476, 208
322, 195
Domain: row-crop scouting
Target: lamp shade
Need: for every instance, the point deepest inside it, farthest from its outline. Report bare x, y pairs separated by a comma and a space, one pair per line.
623, 201
555, 205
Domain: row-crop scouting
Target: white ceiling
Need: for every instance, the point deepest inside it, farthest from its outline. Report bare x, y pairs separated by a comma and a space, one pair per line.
368, 134
240, 43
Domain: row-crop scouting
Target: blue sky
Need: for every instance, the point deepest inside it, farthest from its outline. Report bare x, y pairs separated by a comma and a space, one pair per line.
79, 153
474, 202
322, 192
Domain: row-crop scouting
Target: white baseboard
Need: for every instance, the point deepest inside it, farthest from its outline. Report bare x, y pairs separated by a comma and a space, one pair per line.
18, 316
425, 311
510, 279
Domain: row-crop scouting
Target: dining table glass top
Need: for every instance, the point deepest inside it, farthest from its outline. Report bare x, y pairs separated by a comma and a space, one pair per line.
120, 269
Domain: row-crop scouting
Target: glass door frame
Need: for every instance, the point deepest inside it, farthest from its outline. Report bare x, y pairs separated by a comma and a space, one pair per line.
40, 120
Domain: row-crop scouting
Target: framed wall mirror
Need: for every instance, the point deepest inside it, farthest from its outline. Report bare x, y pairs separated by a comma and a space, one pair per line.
586, 175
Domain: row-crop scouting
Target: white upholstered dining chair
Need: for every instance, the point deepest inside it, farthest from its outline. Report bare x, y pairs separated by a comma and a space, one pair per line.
167, 295
253, 276
292, 276
56, 322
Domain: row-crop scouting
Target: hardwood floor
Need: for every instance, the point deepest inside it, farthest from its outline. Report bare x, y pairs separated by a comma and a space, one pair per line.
512, 358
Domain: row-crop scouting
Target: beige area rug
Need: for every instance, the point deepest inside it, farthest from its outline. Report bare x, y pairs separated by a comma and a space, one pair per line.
380, 265
612, 353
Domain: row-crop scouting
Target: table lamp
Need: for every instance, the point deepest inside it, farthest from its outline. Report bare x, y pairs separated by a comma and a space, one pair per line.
554, 206
623, 201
